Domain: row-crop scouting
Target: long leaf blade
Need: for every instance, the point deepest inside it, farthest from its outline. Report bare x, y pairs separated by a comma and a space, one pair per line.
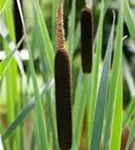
114, 78
102, 95
25, 112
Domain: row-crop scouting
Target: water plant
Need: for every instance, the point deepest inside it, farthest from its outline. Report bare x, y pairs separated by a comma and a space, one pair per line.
55, 96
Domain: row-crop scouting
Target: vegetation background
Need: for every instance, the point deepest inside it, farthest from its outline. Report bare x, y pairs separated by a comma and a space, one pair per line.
103, 102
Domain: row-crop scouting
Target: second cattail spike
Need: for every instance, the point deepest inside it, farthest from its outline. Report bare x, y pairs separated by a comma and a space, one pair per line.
86, 39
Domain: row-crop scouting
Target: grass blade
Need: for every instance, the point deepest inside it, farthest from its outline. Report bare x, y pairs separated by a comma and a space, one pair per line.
12, 46
81, 99
11, 75
115, 139
2, 5
129, 78
114, 78
72, 28
130, 82
131, 135
41, 130
25, 112
6, 62
102, 95
45, 36
94, 86
129, 18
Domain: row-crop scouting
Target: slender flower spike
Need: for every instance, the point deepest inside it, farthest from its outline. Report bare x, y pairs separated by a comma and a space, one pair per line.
60, 34
63, 86
86, 39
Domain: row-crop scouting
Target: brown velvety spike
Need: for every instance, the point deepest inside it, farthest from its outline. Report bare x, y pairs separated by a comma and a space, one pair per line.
60, 34
86, 39
63, 99
18, 23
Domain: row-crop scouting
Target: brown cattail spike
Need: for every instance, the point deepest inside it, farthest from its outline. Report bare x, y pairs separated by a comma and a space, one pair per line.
63, 99
86, 39
60, 34
18, 23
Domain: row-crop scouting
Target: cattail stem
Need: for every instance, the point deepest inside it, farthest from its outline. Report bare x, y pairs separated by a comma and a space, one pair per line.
86, 39
63, 99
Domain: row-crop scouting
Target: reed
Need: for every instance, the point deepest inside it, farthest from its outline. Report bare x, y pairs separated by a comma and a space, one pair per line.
97, 98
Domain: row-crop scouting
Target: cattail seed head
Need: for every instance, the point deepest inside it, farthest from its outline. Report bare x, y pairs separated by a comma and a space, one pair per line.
18, 23
62, 85
86, 39
60, 34
63, 99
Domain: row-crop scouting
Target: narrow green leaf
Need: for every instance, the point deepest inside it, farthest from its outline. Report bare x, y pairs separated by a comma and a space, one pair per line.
2, 4
102, 95
129, 78
81, 99
95, 73
107, 2
111, 104
45, 50
129, 18
116, 130
130, 110
71, 27
77, 36
26, 111
39, 113
11, 72
131, 135
11, 45
6, 62
45, 36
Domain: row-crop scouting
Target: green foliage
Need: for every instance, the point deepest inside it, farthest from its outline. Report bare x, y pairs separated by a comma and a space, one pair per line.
29, 121
2, 5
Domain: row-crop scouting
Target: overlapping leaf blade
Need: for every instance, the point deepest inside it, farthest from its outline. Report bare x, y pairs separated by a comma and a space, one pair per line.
102, 95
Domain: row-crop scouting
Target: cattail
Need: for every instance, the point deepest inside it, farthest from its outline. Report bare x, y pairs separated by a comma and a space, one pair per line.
86, 39
18, 23
63, 99
63, 86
